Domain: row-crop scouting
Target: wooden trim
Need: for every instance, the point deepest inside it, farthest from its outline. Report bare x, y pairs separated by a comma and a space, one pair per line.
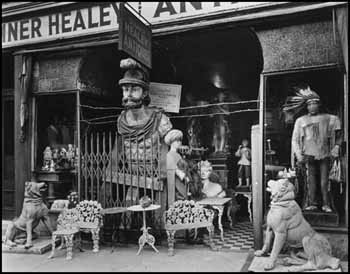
56, 92
346, 138
25, 7
300, 69
34, 130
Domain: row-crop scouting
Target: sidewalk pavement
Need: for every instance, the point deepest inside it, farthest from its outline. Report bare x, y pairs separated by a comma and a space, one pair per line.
194, 258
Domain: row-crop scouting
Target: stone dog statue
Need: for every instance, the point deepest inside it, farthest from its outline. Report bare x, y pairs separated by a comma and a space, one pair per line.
33, 211
286, 222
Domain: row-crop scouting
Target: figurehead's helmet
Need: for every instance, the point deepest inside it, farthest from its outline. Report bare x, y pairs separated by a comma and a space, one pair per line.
135, 73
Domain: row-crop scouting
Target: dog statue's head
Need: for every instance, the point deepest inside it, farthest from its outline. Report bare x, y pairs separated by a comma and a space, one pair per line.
281, 190
34, 189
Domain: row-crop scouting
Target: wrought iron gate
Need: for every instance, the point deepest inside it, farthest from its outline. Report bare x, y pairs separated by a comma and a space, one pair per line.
117, 171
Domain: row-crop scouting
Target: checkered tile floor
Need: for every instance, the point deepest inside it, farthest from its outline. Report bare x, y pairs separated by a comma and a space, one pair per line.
239, 238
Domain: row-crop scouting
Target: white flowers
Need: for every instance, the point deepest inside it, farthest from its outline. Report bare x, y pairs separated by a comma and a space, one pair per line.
90, 211
187, 212
68, 219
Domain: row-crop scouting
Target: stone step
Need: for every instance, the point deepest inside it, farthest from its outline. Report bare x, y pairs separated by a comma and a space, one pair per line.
40, 246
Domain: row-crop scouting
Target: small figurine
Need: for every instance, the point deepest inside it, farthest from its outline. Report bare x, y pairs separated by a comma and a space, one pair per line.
55, 155
70, 155
47, 158
244, 163
52, 166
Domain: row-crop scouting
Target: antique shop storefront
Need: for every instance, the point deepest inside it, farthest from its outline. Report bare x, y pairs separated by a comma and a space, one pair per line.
236, 63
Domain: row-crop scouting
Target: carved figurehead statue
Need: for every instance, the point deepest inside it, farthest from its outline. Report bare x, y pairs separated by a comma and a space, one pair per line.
141, 128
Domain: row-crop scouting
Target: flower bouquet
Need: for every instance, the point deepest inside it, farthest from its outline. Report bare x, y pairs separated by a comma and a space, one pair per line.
187, 213
68, 219
90, 213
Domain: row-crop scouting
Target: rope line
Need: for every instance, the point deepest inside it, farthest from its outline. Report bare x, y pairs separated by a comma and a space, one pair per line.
174, 116
182, 108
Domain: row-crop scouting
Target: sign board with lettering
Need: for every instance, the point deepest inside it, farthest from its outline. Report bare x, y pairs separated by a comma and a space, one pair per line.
166, 96
103, 18
96, 19
135, 38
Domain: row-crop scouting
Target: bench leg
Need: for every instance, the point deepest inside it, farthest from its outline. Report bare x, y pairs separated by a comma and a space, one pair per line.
53, 243
69, 243
95, 238
171, 241
211, 233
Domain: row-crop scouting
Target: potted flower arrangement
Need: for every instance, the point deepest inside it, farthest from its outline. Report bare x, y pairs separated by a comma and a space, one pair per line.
90, 214
187, 213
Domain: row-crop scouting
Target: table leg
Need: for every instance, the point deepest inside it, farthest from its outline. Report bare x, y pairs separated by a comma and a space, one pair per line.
229, 211
221, 210
249, 197
146, 238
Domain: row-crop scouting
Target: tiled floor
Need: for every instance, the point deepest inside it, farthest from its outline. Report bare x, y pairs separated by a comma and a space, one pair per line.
239, 238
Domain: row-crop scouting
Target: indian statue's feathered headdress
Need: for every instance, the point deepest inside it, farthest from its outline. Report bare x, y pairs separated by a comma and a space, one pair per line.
294, 104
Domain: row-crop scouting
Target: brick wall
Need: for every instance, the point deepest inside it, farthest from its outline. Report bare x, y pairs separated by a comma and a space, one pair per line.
299, 46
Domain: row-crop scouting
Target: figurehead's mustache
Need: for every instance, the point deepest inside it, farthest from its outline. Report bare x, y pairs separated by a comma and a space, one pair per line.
130, 102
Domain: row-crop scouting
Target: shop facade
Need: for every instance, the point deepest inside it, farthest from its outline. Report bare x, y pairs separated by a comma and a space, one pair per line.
64, 60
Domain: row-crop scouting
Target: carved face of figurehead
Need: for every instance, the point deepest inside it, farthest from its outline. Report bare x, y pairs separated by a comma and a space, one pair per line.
133, 96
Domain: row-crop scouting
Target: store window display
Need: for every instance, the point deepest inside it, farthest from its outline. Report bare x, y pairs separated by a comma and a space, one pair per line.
316, 140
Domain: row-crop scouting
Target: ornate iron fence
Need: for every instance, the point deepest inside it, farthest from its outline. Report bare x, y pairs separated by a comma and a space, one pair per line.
117, 171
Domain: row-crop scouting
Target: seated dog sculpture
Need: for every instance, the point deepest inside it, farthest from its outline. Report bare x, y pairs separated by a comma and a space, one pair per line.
33, 211
286, 222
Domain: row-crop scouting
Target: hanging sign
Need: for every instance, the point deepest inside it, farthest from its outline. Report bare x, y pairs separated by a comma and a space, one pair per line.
135, 37
166, 96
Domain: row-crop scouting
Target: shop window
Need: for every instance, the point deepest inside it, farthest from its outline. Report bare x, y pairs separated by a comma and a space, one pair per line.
328, 83
56, 127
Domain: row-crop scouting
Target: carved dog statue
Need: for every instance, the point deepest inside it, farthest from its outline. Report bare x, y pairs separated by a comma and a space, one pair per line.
33, 211
286, 222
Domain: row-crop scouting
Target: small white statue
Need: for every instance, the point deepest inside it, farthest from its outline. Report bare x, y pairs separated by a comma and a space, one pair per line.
47, 158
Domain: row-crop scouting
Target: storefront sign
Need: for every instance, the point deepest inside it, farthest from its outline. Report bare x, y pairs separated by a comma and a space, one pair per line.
103, 17
67, 24
166, 96
159, 12
135, 37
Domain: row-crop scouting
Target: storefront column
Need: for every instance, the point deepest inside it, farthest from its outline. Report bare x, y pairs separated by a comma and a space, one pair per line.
258, 169
22, 149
